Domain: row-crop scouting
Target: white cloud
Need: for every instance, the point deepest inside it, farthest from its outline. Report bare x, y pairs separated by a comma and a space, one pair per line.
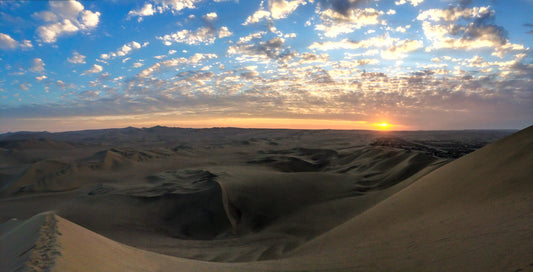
146, 10
6, 42
224, 32
37, 65
283, 8
61, 84
46, 16
176, 5
392, 48
89, 19
257, 17
137, 65
412, 2
26, 44
335, 23
40, 78
65, 17
248, 38
399, 49
161, 6
382, 41
210, 17
447, 29
76, 58
202, 35
25, 86
263, 50
94, 70
290, 35
123, 50
454, 14
66, 9
193, 60
278, 9
49, 33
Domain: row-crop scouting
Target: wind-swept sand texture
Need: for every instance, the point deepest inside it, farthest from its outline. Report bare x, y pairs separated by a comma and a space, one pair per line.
273, 201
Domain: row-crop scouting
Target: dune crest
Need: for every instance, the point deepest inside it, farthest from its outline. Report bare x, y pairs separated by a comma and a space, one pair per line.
34, 245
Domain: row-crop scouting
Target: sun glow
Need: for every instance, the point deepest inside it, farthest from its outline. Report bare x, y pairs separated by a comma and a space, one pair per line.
383, 126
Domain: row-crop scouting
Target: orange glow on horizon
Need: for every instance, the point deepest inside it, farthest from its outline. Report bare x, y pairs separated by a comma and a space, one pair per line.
176, 120
383, 126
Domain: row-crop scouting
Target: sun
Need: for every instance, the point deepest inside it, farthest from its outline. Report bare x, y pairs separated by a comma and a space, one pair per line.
382, 126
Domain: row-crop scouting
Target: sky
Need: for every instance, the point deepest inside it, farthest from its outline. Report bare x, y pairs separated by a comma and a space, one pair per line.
315, 64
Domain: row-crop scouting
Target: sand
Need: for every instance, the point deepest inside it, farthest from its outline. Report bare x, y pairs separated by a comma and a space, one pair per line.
163, 199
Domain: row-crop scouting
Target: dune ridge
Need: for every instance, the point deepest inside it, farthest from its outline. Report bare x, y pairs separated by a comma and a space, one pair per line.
33, 244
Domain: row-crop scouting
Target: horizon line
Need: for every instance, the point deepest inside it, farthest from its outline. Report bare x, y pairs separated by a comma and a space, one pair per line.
260, 128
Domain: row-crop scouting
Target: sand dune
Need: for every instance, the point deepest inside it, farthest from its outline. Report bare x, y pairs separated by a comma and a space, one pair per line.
473, 214
245, 204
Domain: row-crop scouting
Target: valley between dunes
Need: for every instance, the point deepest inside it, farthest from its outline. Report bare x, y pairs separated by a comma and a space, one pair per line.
228, 199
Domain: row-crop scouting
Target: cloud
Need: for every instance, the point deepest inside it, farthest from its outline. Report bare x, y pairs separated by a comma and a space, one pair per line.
123, 50
37, 65
202, 35
453, 14
89, 19
94, 70
313, 58
161, 6
445, 30
318, 89
76, 58
335, 23
257, 17
65, 17
412, 2
277, 9
392, 48
137, 65
342, 6
6, 42
399, 49
210, 17
224, 32
49, 33
250, 37
161, 66
61, 84
282, 8
381, 41
146, 10
41, 78
263, 50
25, 86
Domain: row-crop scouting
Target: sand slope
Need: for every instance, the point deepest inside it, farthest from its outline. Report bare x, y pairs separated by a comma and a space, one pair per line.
474, 214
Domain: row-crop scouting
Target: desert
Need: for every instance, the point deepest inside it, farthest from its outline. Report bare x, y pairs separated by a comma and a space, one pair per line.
229, 199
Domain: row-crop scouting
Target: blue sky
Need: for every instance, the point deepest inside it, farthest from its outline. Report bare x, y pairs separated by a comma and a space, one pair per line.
348, 64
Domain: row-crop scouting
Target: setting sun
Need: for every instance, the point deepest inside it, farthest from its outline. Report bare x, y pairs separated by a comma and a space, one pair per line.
383, 126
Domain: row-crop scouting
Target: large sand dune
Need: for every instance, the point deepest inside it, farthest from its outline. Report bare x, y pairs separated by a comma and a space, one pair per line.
267, 200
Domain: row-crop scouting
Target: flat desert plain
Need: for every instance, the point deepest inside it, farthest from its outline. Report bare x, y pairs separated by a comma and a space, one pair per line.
230, 199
